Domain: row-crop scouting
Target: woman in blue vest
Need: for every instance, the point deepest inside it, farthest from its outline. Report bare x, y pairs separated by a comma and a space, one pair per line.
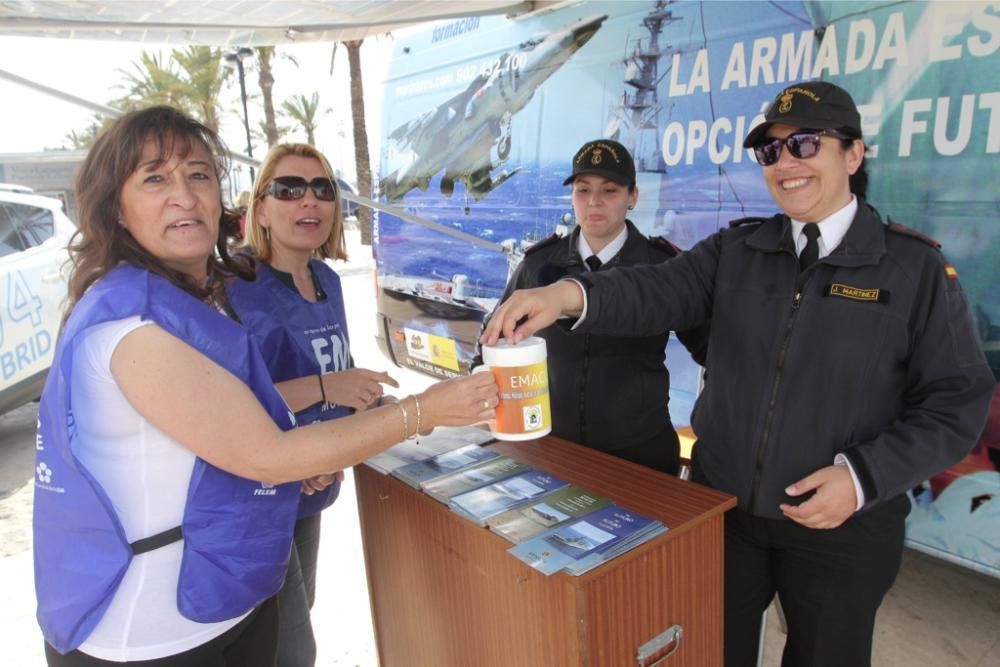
168, 472
295, 309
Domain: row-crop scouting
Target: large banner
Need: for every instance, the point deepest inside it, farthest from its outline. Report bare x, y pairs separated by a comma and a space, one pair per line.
483, 116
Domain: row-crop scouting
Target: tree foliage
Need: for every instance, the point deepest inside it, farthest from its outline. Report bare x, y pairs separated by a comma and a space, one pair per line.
152, 81
304, 112
205, 76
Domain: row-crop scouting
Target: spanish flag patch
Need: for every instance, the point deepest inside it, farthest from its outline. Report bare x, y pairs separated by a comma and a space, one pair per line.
949, 270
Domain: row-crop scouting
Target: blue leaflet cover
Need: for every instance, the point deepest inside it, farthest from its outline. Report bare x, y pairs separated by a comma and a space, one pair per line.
600, 556
464, 480
484, 502
442, 464
443, 439
595, 534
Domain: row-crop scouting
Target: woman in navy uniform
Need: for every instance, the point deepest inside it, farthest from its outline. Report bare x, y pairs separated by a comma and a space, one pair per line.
845, 370
168, 468
295, 309
609, 393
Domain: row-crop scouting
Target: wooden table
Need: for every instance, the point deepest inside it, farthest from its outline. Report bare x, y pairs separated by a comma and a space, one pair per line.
445, 592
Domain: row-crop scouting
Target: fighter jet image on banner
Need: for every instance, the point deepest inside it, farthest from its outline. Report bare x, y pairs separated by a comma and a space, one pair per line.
469, 135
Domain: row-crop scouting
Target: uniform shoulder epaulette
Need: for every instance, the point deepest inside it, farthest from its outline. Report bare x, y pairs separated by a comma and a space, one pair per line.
897, 228
544, 243
662, 243
751, 220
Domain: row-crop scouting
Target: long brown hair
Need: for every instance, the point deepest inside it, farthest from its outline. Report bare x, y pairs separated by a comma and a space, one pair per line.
100, 242
254, 236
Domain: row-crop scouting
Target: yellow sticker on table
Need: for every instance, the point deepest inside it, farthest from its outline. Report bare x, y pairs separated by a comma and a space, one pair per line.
437, 350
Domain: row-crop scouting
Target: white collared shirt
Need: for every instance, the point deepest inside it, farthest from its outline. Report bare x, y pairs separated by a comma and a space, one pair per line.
832, 229
606, 253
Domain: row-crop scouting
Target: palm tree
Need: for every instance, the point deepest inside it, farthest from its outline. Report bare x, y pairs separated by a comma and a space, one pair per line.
153, 82
205, 77
362, 159
262, 130
303, 111
191, 80
84, 139
266, 80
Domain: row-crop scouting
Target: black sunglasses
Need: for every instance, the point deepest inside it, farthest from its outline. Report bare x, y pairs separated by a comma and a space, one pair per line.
290, 188
803, 145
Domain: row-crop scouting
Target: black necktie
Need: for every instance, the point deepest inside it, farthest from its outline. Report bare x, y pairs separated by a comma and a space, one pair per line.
593, 262
811, 252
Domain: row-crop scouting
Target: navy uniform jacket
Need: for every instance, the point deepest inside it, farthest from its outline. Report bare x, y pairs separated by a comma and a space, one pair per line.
871, 352
607, 392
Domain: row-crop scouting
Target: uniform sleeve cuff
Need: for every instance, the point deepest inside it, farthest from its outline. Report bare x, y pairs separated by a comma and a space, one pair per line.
864, 486
579, 282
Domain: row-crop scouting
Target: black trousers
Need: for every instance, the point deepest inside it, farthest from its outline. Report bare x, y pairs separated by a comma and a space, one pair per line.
296, 639
253, 642
661, 452
830, 583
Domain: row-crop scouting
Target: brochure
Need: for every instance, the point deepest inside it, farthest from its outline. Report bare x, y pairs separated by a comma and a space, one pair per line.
442, 439
444, 487
443, 464
486, 501
579, 546
522, 523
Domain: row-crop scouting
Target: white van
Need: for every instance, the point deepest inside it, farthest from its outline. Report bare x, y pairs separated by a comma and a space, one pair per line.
34, 232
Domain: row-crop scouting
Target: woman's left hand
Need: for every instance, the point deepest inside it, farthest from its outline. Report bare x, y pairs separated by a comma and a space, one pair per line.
357, 388
833, 503
320, 482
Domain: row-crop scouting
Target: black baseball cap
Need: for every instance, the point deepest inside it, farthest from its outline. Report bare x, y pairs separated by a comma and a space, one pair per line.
604, 157
816, 105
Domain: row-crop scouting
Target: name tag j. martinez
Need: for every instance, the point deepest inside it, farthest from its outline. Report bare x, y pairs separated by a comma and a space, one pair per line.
873, 294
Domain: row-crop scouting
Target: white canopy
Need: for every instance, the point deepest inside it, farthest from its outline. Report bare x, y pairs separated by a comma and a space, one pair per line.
238, 22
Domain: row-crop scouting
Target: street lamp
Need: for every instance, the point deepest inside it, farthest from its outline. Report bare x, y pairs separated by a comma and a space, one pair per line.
236, 58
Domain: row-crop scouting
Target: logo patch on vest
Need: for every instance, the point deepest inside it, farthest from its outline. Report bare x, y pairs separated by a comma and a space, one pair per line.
873, 294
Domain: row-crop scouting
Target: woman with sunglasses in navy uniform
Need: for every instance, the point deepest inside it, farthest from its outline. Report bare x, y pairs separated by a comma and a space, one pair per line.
295, 308
168, 468
845, 370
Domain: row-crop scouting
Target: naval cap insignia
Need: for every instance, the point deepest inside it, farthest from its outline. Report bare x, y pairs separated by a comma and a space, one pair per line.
786, 102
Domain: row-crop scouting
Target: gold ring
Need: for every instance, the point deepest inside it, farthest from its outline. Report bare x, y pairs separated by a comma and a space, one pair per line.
486, 405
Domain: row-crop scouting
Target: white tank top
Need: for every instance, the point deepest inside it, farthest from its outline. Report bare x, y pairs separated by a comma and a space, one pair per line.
146, 475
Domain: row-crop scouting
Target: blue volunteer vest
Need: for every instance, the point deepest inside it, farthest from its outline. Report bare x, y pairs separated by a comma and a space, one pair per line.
237, 533
298, 339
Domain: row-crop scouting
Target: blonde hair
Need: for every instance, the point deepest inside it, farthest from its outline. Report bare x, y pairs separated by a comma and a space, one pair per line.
243, 199
255, 237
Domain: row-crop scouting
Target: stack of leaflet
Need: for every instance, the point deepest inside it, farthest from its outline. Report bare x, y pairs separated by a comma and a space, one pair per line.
483, 473
443, 439
580, 546
443, 464
487, 501
522, 523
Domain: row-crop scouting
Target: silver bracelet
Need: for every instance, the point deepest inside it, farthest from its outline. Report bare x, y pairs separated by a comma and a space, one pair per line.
406, 426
